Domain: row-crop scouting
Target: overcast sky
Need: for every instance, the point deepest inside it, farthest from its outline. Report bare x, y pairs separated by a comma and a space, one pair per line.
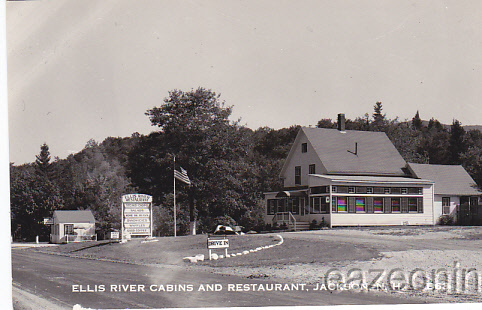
90, 69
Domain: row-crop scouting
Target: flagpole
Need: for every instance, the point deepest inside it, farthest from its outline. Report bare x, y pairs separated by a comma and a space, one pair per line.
174, 196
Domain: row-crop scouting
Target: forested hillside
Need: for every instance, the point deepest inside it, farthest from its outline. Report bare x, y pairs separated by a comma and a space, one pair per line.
230, 166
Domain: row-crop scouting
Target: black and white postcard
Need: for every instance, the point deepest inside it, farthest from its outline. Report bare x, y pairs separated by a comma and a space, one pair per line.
208, 153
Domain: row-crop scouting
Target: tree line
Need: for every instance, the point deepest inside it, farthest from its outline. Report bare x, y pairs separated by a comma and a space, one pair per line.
230, 166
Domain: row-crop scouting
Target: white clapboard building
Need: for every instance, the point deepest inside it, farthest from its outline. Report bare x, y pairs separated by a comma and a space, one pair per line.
72, 226
353, 178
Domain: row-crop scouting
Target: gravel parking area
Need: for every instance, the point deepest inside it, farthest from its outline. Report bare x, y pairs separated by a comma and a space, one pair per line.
412, 254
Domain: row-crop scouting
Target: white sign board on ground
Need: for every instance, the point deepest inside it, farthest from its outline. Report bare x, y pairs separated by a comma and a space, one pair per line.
114, 235
137, 215
214, 243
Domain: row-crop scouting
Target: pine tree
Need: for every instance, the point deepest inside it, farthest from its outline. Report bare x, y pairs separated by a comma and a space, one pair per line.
42, 162
417, 122
457, 143
378, 118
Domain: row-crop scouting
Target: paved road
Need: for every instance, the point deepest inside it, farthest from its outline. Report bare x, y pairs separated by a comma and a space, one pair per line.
54, 277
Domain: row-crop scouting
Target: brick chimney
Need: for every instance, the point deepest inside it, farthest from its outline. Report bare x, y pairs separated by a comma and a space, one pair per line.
341, 122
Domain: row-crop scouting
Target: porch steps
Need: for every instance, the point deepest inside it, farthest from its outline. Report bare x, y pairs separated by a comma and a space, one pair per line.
301, 226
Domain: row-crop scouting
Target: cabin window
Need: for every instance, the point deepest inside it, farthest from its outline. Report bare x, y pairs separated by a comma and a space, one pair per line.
68, 229
474, 201
304, 147
445, 205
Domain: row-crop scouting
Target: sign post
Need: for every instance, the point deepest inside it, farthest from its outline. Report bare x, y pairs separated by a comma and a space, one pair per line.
215, 243
136, 216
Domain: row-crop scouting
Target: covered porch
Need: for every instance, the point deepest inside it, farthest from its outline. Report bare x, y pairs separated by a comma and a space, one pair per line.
290, 208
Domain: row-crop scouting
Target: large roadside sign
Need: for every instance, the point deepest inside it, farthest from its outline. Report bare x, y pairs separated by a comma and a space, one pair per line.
137, 215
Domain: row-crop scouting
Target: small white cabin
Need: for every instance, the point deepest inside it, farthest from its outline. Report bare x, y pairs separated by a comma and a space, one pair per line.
72, 226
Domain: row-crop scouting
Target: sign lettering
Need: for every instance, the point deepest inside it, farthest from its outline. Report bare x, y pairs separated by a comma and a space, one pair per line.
218, 243
137, 214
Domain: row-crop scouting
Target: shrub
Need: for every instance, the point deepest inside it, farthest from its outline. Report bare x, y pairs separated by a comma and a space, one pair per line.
446, 220
313, 225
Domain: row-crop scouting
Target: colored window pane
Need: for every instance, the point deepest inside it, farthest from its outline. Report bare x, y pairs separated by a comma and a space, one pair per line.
395, 204
412, 205
378, 204
360, 204
341, 202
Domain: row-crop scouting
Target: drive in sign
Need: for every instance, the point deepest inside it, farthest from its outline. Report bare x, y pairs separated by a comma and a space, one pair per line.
214, 243
137, 215
218, 243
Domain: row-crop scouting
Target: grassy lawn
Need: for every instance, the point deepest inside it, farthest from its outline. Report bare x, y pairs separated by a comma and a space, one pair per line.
167, 250
292, 251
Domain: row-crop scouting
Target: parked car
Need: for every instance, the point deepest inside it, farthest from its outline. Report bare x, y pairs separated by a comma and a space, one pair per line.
224, 230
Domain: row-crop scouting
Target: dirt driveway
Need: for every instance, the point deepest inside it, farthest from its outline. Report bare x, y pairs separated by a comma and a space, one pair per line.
439, 264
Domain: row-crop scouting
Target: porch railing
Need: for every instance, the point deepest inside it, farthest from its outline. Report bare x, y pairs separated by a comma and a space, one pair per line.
285, 218
80, 238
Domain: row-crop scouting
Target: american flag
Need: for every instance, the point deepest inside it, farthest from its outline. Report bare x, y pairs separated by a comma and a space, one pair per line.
182, 176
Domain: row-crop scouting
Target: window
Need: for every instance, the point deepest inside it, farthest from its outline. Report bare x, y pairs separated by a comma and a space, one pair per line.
295, 205
68, 229
297, 175
445, 205
341, 204
272, 204
378, 190
316, 205
319, 190
378, 205
474, 201
333, 204
351, 189
415, 190
325, 204
412, 205
369, 190
333, 189
281, 205
304, 147
387, 190
312, 169
404, 190
395, 204
360, 204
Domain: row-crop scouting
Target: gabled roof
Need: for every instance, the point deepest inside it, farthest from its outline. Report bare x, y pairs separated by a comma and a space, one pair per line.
450, 180
375, 153
74, 216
